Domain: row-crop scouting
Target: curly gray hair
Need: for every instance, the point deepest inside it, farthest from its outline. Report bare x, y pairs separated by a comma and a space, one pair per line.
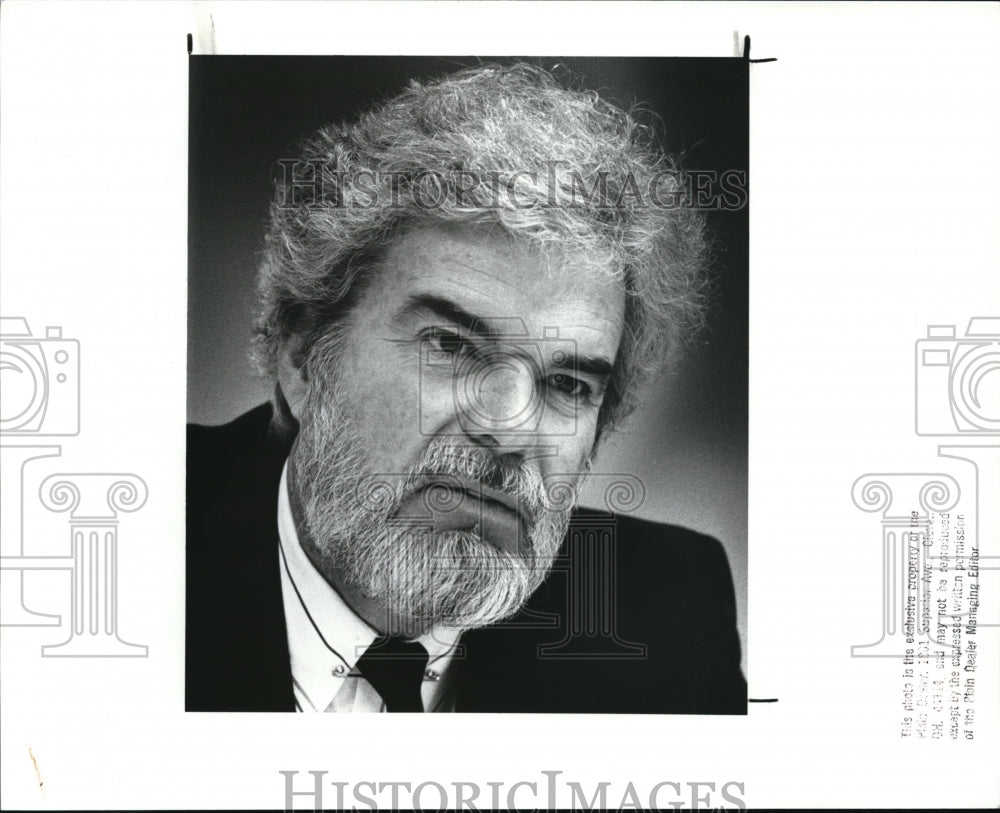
463, 138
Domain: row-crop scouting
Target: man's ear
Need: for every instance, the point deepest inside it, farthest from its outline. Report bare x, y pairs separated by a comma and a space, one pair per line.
292, 377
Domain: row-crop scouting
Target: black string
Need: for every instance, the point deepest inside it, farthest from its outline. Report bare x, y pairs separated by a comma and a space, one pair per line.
295, 587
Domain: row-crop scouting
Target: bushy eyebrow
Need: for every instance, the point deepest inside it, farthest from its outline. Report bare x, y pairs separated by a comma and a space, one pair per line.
452, 313
596, 366
449, 312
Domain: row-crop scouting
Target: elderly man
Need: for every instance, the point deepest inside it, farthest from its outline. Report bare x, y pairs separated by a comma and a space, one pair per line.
460, 295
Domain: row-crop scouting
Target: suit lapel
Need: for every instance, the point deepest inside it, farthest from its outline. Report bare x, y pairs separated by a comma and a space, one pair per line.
237, 643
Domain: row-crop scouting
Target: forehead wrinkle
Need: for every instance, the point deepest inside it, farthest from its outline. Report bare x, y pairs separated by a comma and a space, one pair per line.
494, 276
487, 275
471, 286
614, 323
464, 261
481, 298
457, 274
452, 283
500, 253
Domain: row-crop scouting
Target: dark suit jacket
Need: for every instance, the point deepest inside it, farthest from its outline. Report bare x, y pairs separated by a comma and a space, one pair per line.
636, 616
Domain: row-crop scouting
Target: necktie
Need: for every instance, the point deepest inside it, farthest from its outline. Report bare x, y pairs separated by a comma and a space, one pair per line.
395, 669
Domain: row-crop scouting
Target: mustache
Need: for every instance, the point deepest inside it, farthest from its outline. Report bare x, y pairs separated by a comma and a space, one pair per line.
443, 460
382, 493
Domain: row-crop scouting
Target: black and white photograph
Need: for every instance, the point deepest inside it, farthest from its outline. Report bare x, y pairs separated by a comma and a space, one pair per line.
592, 405
467, 378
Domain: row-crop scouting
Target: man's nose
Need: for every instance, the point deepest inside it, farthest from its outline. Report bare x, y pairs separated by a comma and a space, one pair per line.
502, 403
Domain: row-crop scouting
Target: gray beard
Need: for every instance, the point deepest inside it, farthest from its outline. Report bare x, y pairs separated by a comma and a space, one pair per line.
423, 577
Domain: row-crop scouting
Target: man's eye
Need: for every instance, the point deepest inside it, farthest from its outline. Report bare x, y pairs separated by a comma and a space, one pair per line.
568, 385
447, 341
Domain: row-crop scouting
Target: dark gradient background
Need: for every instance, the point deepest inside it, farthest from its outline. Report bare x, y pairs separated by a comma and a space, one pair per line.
688, 441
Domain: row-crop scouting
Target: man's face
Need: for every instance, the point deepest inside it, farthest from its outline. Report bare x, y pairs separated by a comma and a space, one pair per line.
469, 379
